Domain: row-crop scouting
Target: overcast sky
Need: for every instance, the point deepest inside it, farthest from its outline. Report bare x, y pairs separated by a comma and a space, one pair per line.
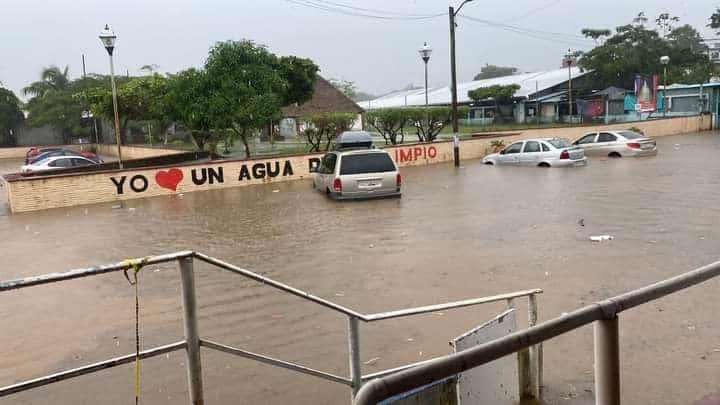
378, 55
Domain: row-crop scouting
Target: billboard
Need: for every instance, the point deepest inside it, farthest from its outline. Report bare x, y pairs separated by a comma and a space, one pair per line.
646, 87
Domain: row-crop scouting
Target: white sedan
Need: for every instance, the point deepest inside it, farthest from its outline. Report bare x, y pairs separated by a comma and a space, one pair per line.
546, 152
57, 162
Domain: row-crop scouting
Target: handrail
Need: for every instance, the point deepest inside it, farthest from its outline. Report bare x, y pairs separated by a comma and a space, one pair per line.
450, 365
450, 305
193, 342
91, 271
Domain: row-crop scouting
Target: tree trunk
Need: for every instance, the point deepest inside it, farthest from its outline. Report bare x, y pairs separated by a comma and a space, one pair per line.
243, 136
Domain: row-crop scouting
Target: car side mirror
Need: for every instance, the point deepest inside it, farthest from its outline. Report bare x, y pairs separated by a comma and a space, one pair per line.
502, 152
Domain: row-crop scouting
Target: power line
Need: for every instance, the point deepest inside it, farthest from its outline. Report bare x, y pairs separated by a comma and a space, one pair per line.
537, 34
533, 11
349, 12
376, 10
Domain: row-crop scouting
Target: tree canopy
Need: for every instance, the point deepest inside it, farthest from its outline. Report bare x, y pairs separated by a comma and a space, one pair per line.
635, 48
715, 20
492, 71
499, 93
11, 116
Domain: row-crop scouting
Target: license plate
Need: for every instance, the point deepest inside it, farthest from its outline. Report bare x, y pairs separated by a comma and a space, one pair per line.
646, 146
369, 184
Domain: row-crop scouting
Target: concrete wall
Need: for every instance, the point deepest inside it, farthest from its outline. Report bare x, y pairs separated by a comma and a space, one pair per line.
136, 152
38, 193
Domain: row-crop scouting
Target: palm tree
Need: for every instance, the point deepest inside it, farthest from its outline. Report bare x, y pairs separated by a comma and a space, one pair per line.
51, 79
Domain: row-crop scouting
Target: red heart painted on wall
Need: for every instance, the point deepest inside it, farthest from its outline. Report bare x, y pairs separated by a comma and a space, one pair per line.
169, 179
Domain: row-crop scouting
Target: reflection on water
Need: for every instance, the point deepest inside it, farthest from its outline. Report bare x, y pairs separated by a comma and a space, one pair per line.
454, 234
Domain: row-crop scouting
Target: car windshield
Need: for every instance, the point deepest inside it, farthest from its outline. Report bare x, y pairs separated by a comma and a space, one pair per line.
366, 163
41, 162
559, 143
631, 135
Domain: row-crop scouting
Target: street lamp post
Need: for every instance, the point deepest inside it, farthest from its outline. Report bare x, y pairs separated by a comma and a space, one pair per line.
108, 37
453, 83
425, 53
664, 60
569, 61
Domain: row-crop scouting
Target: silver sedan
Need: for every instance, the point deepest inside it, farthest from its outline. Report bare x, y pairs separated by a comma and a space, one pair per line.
547, 152
617, 144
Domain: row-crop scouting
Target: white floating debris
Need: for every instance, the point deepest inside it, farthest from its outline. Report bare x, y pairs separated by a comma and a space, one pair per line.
601, 238
372, 361
116, 206
410, 339
372, 245
276, 191
27, 227
340, 294
131, 209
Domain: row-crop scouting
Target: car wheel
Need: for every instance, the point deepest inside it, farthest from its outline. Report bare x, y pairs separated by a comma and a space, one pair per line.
490, 163
544, 164
614, 155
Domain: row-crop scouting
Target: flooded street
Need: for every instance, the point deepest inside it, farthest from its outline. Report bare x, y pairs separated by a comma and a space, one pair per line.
454, 235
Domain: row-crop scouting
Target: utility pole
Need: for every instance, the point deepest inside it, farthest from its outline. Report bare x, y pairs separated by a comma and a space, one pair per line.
453, 83
568, 60
83, 59
453, 90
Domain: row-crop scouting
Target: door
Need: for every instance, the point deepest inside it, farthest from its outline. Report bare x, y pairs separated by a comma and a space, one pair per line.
587, 142
531, 154
326, 172
606, 143
511, 154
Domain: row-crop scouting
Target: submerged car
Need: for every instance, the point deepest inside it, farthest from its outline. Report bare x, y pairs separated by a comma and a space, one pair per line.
57, 162
546, 152
356, 171
617, 144
62, 152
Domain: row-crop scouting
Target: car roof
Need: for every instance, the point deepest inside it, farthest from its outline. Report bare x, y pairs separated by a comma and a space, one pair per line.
359, 151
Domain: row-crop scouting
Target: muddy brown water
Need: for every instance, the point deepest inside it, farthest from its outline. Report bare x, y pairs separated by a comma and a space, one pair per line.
454, 235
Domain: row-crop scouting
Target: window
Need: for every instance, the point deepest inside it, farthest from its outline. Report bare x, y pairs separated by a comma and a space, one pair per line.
531, 147
514, 148
545, 148
559, 143
631, 135
589, 138
606, 137
81, 162
60, 163
327, 166
366, 163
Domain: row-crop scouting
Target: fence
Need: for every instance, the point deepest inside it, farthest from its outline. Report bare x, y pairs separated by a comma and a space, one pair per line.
530, 375
607, 343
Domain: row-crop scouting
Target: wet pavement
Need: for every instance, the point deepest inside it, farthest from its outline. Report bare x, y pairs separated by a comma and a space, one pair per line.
454, 235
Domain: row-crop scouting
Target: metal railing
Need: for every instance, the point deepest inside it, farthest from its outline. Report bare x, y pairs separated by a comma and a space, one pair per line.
530, 361
606, 336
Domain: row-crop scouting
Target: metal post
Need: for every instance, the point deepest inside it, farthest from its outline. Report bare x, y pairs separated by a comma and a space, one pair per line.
427, 120
192, 338
535, 351
354, 354
607, 362
453, 90
570, 100
115, 108
664, 91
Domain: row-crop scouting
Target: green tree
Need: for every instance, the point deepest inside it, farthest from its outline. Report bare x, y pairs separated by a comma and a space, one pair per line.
139, 99
636, 49
715, 20
429, 122
250, 85
11, 116
389, 122
52, 103
190, 100
322, 129
666, 23
492, 71
597, 34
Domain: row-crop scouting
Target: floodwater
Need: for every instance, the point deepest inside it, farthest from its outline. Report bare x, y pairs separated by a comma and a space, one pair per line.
454, 235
